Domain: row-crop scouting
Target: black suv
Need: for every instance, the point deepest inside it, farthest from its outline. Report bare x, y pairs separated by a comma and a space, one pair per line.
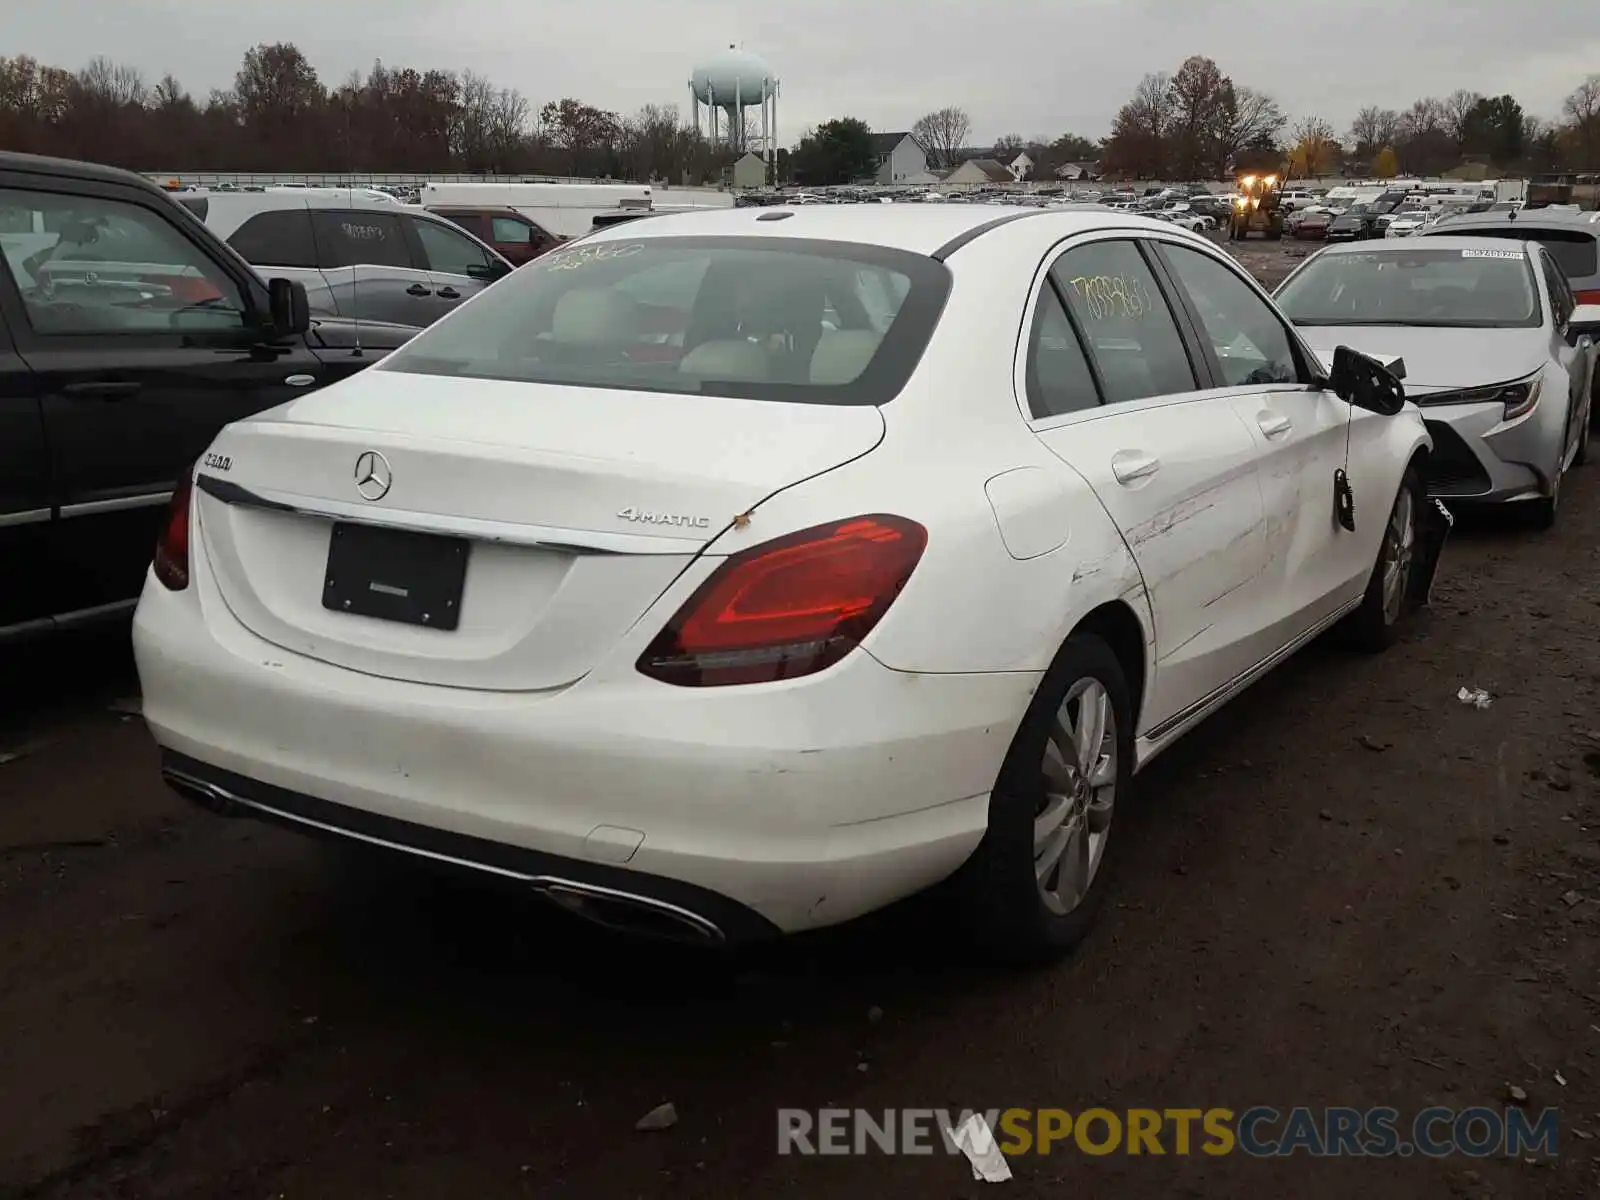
129, 335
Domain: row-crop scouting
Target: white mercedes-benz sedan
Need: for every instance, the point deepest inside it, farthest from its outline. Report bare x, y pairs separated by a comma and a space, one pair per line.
740, 572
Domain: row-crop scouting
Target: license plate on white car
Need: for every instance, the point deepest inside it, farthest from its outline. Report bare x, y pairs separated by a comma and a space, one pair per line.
395, 575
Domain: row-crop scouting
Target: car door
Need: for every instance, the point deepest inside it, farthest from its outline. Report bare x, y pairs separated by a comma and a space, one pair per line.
1313, 564
371, 268
458, 265
1116, 393
1576, 360
141, 346
24, 493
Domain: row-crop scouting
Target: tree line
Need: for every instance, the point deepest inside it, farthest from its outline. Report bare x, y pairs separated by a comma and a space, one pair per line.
1197, 123
280, 116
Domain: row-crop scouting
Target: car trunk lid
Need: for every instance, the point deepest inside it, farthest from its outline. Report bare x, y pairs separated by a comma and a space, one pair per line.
573, 509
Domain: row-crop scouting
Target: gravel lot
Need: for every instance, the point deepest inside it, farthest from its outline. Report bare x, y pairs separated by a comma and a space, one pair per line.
1349, 888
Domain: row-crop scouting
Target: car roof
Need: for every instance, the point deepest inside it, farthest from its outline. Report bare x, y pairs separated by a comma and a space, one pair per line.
1536, 217
1435, 242
919, 228
66, 168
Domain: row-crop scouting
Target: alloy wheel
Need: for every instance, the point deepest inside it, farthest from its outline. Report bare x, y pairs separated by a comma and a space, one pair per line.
1079, 771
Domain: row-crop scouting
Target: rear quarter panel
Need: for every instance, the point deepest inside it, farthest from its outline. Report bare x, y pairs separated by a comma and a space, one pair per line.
972, 604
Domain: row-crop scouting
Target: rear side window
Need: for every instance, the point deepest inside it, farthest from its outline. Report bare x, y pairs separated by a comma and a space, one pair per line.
510, 232
276, 239
357, 238
787, 319
1058, 375
1132, 335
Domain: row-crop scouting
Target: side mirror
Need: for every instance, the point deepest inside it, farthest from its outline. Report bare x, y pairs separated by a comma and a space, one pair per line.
289, 308
488, 273
1364, 382
1585, 319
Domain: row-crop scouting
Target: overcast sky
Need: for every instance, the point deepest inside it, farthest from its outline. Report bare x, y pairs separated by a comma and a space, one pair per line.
1017, 66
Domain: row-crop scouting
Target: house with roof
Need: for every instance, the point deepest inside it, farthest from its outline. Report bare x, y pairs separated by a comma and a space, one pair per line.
901, 159
1021, 167
976, 172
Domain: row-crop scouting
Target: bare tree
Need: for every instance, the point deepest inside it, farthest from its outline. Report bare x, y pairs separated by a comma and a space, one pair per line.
1455, 111
1248, 119
113, 85
941, 133
1583, 106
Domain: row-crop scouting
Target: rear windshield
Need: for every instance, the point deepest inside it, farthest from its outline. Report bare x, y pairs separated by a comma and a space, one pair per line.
1466, 289
1573, 249
761, 318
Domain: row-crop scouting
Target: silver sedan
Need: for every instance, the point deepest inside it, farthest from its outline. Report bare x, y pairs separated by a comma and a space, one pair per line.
1498, 354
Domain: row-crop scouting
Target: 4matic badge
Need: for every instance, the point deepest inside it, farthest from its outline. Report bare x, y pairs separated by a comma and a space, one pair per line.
645, 516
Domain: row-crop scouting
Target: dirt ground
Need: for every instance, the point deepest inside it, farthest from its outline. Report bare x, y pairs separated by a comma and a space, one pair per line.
1347, 889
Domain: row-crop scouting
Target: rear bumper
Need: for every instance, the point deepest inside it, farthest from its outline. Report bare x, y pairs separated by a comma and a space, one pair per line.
608, 895
805, 803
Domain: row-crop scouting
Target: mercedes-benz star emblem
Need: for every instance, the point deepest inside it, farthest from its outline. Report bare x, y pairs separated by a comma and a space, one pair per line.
373, 476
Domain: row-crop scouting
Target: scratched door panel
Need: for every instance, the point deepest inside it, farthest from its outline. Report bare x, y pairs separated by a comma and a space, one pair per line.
1300, 433
1193, 522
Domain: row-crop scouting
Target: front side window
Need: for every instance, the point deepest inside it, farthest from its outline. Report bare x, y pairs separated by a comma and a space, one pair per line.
1478, 288
1562, 301
1132, 335
798, 320
1251, 344
448, 250
357, 238
93, 265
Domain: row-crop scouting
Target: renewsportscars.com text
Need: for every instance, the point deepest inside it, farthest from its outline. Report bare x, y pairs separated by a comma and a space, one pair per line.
1258, 1132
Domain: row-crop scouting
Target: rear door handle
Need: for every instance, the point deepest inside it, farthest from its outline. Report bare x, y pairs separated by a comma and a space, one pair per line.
416, 289
102, 390
449, 293
1132, 464
1272, 424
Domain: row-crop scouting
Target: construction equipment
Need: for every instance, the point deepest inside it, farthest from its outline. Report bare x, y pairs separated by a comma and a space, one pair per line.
1256, 209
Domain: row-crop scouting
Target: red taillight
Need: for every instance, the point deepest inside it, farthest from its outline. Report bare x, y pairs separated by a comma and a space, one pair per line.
172, 550
792, 606
1586, 297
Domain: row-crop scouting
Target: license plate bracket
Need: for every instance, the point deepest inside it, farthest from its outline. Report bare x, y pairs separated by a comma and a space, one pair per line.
395, 575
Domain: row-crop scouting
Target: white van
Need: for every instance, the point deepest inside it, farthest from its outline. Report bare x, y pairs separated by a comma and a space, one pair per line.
565, 209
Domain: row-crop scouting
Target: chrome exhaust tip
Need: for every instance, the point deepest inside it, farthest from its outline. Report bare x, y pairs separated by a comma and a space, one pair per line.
208, 797
627, 913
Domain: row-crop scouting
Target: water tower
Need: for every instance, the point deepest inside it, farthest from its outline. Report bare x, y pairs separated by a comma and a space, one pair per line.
727, 84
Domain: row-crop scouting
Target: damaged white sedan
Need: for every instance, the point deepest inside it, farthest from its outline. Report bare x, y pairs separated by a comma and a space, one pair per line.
737, 573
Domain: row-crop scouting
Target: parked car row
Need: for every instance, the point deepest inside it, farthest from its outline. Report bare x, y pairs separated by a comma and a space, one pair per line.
680, 577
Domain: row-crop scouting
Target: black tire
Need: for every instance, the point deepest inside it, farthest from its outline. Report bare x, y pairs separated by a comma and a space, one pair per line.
1001, 901
1373, 627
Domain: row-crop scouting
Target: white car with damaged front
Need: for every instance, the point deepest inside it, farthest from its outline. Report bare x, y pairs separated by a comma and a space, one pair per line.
742, 572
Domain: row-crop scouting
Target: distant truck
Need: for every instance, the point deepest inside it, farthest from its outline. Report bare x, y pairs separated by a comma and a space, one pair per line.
561, 210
